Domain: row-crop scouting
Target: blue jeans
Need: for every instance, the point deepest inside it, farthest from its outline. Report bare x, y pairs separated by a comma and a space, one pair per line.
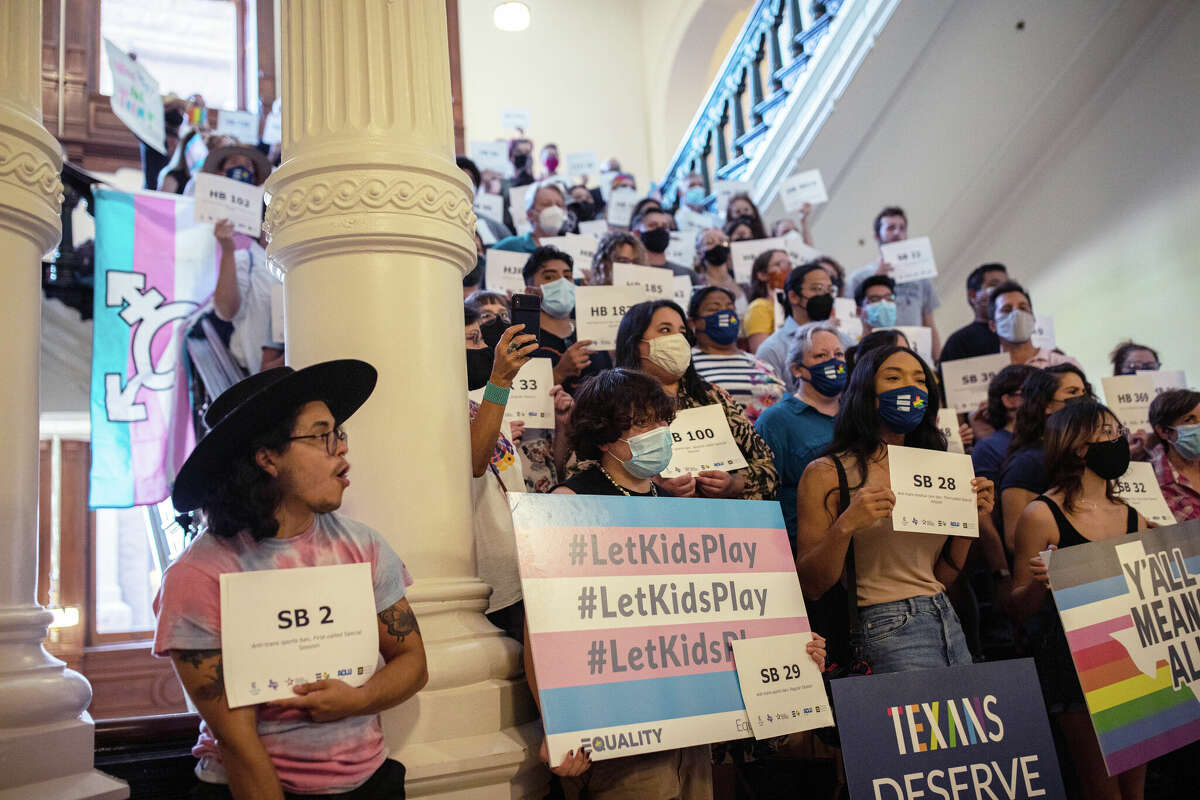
916, 633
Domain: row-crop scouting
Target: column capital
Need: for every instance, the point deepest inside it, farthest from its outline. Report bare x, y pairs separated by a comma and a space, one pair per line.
31, 191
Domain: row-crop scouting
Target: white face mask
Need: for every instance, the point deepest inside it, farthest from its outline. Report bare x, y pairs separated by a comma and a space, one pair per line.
551, 218
671, 353
1016, 326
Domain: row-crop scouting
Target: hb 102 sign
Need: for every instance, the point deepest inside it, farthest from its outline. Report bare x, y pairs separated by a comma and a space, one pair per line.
957, 732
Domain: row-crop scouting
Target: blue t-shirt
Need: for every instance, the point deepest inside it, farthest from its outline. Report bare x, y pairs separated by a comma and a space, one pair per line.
988, 455
796, 433
517, 244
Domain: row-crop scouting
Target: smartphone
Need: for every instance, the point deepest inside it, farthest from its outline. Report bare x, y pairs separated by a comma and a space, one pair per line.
527, 309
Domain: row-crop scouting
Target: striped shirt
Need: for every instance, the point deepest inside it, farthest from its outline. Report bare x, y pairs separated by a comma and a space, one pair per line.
751, 382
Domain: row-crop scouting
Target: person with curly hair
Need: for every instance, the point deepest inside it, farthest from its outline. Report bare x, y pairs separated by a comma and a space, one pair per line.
617, 247
269, 478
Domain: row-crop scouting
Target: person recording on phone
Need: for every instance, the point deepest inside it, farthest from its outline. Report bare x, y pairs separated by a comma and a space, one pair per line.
548, 274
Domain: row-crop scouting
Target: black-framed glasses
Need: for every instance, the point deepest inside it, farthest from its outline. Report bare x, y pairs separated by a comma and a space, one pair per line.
332, 439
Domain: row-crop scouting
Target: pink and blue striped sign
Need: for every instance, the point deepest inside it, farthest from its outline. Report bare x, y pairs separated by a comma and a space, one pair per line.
631, 605
154, 274
1130, 607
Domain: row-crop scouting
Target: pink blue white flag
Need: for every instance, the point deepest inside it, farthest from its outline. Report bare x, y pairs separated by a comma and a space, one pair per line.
631, 604
154, 275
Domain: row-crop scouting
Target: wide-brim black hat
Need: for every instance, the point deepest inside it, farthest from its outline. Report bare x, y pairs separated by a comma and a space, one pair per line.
253, 405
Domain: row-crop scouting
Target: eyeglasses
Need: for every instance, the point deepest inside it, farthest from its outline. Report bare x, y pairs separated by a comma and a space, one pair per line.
487, 316
1149, 366
1112, 432
332, 439
891, 298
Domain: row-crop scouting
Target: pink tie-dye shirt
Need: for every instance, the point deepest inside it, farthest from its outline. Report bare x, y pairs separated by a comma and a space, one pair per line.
309, 757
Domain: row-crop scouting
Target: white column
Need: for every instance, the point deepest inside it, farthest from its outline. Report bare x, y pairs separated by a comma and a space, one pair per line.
371, 222
46, 735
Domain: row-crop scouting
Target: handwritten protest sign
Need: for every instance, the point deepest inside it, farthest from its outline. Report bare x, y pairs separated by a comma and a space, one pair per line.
632, 603
135, 98
1129, 608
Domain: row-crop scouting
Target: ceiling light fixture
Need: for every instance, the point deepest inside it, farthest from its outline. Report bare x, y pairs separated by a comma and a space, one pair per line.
511, 16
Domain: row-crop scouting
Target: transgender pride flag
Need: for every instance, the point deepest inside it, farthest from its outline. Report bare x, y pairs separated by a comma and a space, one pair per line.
631, 604
1131, 610
154, 275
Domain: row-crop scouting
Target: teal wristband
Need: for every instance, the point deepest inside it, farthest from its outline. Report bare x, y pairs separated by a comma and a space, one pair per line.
494, 394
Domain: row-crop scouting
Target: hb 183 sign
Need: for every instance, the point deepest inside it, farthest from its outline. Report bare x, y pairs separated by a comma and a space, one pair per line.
956, 733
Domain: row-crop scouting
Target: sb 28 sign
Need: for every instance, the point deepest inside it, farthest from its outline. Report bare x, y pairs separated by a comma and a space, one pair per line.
930, 481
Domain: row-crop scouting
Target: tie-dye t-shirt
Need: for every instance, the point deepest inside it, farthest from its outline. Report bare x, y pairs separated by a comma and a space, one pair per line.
309, 757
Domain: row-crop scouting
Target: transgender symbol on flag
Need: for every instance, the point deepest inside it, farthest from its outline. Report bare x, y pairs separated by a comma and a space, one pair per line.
146, 315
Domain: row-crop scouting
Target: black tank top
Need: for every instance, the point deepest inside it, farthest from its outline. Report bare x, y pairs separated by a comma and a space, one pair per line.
1068, 536
593, 481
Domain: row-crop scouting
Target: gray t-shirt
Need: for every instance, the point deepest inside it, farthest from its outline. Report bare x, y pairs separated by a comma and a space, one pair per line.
913, 300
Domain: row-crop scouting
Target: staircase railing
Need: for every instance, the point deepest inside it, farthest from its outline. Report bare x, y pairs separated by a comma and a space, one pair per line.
771, 56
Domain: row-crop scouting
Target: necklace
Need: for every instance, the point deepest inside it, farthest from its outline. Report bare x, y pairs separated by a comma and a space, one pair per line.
622, 489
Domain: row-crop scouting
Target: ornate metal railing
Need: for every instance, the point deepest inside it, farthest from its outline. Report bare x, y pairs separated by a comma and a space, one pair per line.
770, 58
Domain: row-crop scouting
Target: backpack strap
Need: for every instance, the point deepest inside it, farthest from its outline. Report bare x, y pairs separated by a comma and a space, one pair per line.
851, 575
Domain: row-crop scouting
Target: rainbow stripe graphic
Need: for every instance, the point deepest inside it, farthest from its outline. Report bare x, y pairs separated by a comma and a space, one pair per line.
1126, 670
154, 275
630, 604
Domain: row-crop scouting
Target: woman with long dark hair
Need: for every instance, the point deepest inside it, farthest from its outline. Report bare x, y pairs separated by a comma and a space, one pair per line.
654, 338
1086, 452
742, 211
1023, 474
844, 521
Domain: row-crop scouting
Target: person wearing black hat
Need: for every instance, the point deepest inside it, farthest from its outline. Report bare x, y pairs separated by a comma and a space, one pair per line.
269, 477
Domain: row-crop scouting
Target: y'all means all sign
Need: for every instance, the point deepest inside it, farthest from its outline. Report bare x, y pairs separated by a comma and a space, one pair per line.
218, 198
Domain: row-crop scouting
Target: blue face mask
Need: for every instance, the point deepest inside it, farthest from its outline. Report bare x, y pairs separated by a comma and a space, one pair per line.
240, 173
694, 196
721, 327
902, 410
558, 298
1188, 442
828, 377
881, 314
650, 453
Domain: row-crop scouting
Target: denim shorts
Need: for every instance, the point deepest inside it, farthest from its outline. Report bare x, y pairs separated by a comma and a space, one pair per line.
916, 633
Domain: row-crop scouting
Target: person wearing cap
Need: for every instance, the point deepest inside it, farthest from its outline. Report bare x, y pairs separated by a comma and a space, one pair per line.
268, 479
244, 282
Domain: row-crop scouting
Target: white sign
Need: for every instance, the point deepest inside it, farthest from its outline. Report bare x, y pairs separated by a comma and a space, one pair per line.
490, 156
967, 379
1139, 488
489, 205
277, 313
780, 313
284, 627
921, 339
933, 492
1043, 332
801, 188
516, 202
241, 125
727, 189
598, 312
798, 251
680, 249
1129, 397
273, 126
682, 290
947, 421
582, 164
781, 686
518, 118
1165, 379
503, 271
655, 283
744, 253
702, 441
911, 259
596, 228
529, 398
135, 98
581, 249
620, 206
844, 309
218, 198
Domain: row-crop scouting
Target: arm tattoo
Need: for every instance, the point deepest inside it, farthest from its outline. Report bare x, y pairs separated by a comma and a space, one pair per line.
213, 685
400, 622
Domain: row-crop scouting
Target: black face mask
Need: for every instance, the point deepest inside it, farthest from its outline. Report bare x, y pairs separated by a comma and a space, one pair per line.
716, 256
492, 330
1109, 460
521, 160
657, 240
820, 307
479, 367
584, 211
473, 277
